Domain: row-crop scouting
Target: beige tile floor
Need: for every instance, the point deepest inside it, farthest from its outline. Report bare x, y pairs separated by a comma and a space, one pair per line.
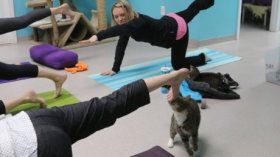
248, 127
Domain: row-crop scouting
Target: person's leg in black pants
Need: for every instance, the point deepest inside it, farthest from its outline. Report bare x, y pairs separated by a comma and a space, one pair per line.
16, 23
58, 128
179, 49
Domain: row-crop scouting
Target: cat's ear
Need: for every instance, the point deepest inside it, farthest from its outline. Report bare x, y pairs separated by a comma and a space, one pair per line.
191, 68
187, 98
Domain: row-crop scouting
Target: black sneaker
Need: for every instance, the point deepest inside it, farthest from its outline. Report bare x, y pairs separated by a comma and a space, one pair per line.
233, 84
165, 89
166, 86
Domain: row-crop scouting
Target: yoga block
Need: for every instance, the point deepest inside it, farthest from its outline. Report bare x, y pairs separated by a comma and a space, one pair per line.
53, 57
272, 66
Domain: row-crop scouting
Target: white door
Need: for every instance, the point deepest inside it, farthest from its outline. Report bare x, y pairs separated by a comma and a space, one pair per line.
275, 16
238, 20
7, 10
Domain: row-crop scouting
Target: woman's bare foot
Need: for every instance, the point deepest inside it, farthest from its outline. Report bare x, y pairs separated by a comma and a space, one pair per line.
59, 80
65, 9
32, 97
57, 77
175, 81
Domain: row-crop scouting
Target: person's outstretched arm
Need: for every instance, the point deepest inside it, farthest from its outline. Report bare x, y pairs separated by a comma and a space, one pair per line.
124, 29
119, 55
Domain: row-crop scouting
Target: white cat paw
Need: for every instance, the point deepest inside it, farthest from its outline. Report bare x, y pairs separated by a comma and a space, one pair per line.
203, 104
170, 143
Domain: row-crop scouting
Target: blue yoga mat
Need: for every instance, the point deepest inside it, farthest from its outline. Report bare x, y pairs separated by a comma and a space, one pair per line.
152, 68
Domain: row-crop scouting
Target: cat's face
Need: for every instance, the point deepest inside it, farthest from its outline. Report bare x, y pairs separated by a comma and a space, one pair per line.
180, 103
194, 72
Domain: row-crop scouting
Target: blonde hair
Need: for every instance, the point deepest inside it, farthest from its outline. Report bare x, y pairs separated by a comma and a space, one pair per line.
125, 5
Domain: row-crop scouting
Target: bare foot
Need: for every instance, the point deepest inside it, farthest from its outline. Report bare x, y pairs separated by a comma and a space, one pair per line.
175, 81
67, 11
32, 97
59, 80
170, 95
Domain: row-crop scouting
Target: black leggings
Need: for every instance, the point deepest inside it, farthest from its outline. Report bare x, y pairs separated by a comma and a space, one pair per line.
179, 48
16, 23
58, 128
12, 71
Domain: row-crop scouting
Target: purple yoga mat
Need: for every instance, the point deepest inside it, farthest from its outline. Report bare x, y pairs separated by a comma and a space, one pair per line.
21, 78
156, 151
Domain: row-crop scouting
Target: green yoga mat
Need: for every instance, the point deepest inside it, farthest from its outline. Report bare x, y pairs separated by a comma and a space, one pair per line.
66, 98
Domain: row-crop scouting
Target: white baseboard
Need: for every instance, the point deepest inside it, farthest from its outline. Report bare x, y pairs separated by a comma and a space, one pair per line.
193, 44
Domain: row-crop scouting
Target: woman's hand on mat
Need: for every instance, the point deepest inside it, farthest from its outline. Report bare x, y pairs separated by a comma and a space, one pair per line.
109, 72
90, 40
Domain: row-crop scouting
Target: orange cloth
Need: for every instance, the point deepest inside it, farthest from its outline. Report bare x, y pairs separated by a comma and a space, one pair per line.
80, 66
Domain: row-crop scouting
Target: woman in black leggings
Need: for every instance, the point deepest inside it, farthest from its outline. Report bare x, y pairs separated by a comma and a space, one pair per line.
13, 71
170, 31
51, 132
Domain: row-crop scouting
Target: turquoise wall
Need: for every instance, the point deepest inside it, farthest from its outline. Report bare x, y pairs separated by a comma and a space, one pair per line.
216, 22
20, 9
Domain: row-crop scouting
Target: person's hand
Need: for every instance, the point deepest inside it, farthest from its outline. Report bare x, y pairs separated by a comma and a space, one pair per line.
109, 72
90, 40
170, 95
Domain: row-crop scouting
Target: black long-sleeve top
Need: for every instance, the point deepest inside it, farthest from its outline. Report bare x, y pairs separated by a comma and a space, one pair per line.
158, 32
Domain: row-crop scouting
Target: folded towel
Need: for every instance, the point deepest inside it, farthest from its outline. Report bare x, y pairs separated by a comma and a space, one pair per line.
80, 66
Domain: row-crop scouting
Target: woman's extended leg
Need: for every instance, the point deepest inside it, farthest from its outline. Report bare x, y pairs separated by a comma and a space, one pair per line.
16, 23
173, 79
194, 8
14, 71
75, 122
178, 55
30, 97
103, 112
63, 9
179, 49
57, 77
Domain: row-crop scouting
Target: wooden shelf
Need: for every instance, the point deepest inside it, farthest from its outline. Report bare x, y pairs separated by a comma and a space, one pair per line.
67, 34
36, 3
50, 26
